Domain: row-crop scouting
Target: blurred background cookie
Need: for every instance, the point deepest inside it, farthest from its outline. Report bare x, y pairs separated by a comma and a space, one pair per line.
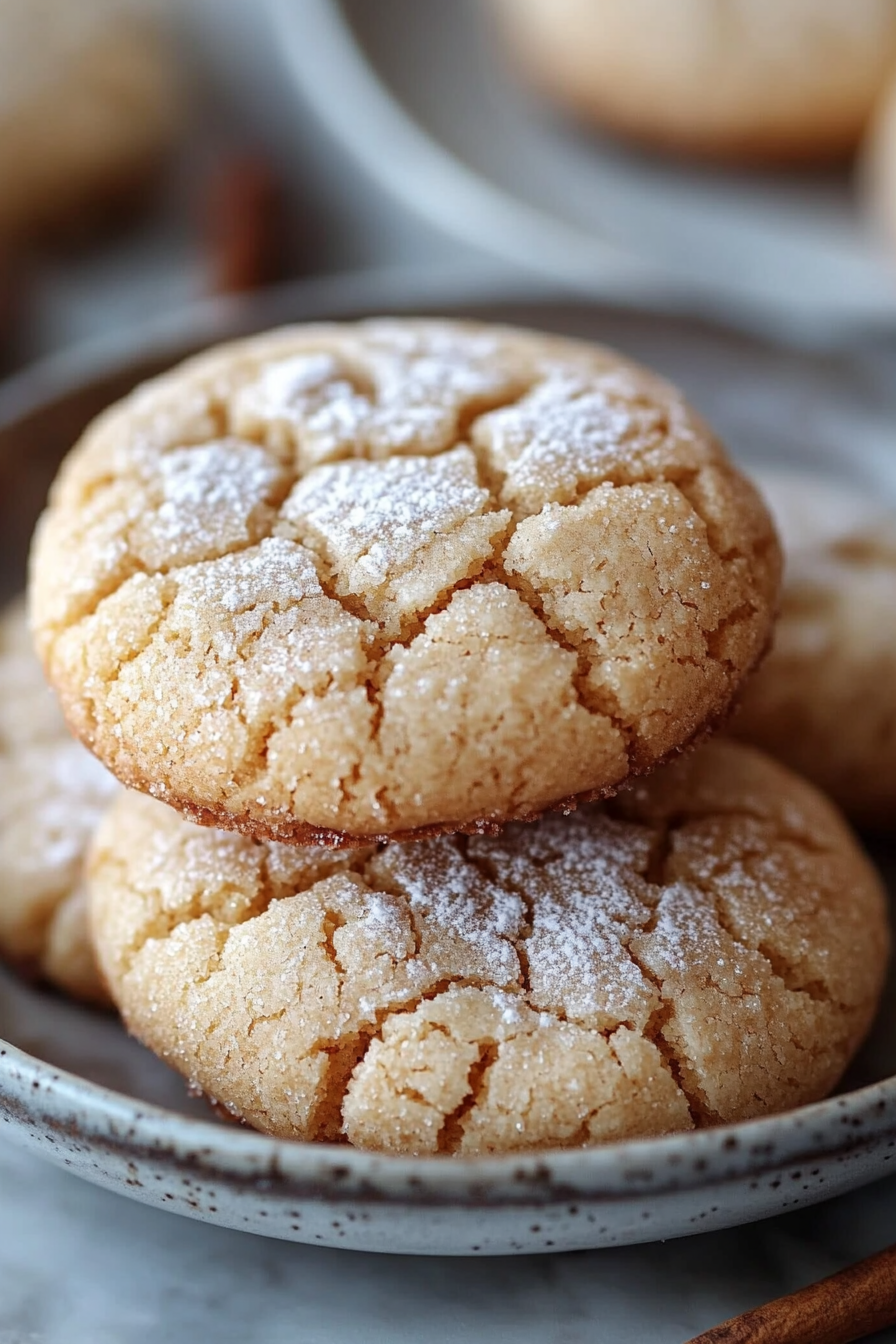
52, 793
89, 107
824, 701
745, 80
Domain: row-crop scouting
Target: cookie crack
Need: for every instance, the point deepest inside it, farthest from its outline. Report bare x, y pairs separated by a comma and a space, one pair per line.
782, 970
146, 638
700, 1111
656, 872
685, 483
97, 599
592, 699
741, 614
493, 477
451, 1134
349, 1052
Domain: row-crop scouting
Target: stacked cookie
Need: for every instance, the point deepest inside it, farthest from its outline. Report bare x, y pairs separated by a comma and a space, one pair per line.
390, 609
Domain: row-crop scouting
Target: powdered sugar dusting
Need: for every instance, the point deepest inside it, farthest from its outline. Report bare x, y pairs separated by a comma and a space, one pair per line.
582, 880
690, 946
259, 629
375, 517
407, 399
307, 401
153, 549
395, 534
566, 982
466, 925
276, 572
209, 495
568, 432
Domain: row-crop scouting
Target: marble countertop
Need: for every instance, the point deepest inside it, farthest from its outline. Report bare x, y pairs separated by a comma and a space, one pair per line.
81, 1266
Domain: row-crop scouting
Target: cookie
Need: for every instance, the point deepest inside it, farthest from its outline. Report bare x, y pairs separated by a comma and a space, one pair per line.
744, 80
88, 109
339, 583
707, 947
824, 702
52, 794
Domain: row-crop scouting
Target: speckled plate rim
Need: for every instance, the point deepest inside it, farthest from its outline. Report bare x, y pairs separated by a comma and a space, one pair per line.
44, 1104
33, 1093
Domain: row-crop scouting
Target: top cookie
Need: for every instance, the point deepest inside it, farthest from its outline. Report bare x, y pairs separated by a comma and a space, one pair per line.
345, 582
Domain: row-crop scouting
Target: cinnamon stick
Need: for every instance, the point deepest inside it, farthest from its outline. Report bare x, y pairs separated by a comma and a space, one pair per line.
244, 220
13, 286
847, 1306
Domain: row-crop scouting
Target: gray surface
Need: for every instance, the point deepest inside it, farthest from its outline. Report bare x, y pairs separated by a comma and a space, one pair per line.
79, 1266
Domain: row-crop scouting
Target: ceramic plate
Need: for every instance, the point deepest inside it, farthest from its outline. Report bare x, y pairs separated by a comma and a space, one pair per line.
426, 104
76, 1090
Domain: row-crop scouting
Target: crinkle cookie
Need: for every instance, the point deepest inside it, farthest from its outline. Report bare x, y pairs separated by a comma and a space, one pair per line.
746, 80
824, 702
52, 794
88, 106
349, 582
707, 947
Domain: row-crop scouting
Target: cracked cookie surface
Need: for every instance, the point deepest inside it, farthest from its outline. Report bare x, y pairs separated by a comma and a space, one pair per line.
708, 946
52, 795
342, 583
824, 701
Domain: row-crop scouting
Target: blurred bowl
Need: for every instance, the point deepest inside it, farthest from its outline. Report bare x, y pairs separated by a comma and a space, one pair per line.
415, 91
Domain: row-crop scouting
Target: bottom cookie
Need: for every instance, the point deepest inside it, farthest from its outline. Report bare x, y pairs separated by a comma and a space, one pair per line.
707, 947
52, 794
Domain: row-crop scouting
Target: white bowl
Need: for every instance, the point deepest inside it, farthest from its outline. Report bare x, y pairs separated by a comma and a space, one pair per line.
75, 1089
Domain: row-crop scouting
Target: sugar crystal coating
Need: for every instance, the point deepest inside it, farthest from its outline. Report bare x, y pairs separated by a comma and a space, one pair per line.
706, 947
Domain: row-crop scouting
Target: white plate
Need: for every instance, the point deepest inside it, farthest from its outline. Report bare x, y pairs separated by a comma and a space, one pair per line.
75, 1089
419, 92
